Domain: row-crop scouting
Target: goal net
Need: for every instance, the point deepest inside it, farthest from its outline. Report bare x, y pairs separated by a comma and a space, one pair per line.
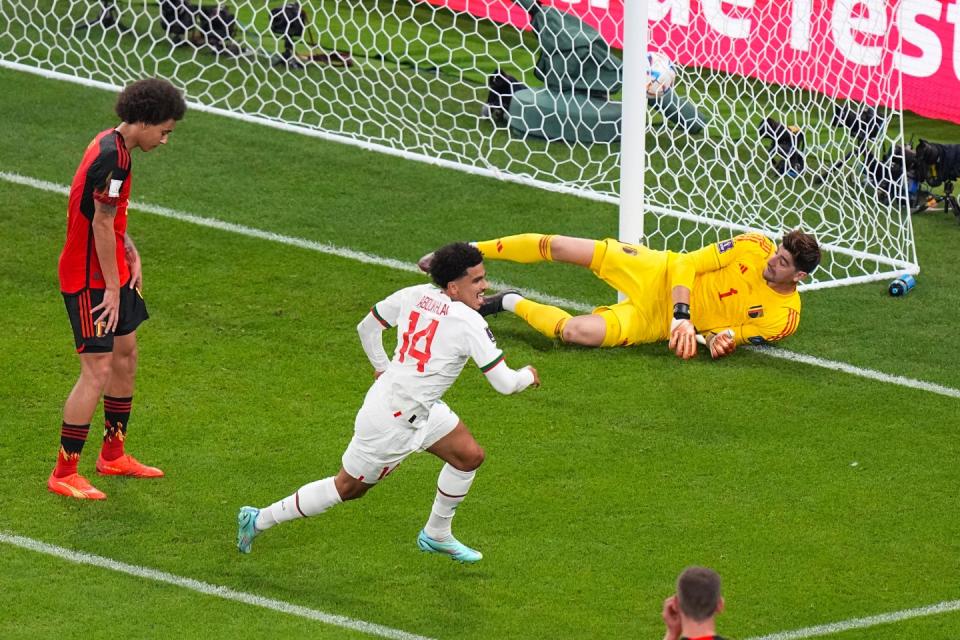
772, 116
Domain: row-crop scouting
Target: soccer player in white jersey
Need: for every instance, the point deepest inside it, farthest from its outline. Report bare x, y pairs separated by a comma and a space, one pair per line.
438, 329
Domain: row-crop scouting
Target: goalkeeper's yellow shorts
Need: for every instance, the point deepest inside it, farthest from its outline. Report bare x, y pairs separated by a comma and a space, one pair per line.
641, 274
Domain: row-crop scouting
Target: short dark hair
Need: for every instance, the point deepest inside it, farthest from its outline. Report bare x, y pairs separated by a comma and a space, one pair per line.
804, 249
452, 261
698, 592
150, 101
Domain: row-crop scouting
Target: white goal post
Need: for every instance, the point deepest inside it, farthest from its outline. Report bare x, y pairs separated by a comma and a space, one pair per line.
805, 105
781, 114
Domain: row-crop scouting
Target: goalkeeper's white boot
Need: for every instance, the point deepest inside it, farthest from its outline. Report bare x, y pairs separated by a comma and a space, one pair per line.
451, 547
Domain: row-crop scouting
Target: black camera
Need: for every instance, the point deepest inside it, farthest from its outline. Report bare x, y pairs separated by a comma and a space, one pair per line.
786, 146
501, 87
862, 121
218, 26
213, 26
178, 17
289, 20
934, 164
867, 128
893, 176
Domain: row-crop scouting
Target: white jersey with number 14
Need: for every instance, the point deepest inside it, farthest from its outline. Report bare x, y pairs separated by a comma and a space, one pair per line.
435, 337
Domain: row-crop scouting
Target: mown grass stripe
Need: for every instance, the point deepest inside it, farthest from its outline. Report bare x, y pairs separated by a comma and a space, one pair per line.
206, 588
400, 265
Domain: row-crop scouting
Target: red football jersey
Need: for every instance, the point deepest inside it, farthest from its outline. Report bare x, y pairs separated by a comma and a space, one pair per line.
103, 175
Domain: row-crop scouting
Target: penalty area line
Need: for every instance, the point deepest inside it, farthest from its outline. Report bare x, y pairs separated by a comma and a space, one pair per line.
205, 588
367, 258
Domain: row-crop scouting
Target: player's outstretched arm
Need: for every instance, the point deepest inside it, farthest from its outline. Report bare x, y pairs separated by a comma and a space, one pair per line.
507, 381
536, 376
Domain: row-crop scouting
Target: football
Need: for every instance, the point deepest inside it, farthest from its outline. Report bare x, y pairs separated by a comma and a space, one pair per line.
660, 74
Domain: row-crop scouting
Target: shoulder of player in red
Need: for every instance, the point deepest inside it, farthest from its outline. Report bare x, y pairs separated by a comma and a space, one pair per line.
114, 169
103, 173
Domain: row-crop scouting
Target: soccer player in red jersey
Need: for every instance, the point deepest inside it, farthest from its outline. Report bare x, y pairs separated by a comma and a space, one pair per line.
101, 280
690, 613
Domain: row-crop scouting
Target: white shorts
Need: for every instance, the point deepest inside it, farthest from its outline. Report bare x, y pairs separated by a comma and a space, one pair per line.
382, 440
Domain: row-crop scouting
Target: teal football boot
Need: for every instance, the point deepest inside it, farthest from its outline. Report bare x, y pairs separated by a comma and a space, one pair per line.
449, 547
246, 528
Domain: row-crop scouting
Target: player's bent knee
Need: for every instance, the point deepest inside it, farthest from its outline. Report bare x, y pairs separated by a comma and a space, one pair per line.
472, 459
351, 493
354, 492
588, 331
478, 458
350, 488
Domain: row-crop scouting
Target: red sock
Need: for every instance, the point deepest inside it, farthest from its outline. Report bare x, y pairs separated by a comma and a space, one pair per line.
72, 438
116, 413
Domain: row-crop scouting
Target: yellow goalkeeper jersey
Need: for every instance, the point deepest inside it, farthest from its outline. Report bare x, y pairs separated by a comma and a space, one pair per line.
728, 290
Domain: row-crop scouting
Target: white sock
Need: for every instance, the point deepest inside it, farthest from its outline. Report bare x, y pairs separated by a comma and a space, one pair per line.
452, 488
510, 301
309, 500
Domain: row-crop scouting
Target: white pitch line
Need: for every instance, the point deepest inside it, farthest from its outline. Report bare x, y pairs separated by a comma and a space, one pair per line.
387, 632
862, 623
320, 247
932, 387
368, 258
207, 589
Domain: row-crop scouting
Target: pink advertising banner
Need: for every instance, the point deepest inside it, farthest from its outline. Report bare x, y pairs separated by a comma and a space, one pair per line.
830, 46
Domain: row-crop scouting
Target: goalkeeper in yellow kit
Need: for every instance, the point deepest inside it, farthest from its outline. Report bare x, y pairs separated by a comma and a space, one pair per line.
738, 291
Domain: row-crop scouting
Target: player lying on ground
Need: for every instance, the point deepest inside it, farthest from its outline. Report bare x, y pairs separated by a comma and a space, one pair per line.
742, 290
439, 328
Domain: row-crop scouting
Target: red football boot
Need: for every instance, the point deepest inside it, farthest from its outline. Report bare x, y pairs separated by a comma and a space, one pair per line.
74, 486
126, 465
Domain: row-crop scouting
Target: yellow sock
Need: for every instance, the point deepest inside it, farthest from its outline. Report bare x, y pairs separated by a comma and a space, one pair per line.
546, 319
525, 247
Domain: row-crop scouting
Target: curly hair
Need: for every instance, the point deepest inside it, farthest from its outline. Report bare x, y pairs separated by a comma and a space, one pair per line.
150, 101
804, 249
452, 261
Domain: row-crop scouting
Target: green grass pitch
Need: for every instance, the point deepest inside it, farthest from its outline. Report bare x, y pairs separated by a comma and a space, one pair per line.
818, 495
